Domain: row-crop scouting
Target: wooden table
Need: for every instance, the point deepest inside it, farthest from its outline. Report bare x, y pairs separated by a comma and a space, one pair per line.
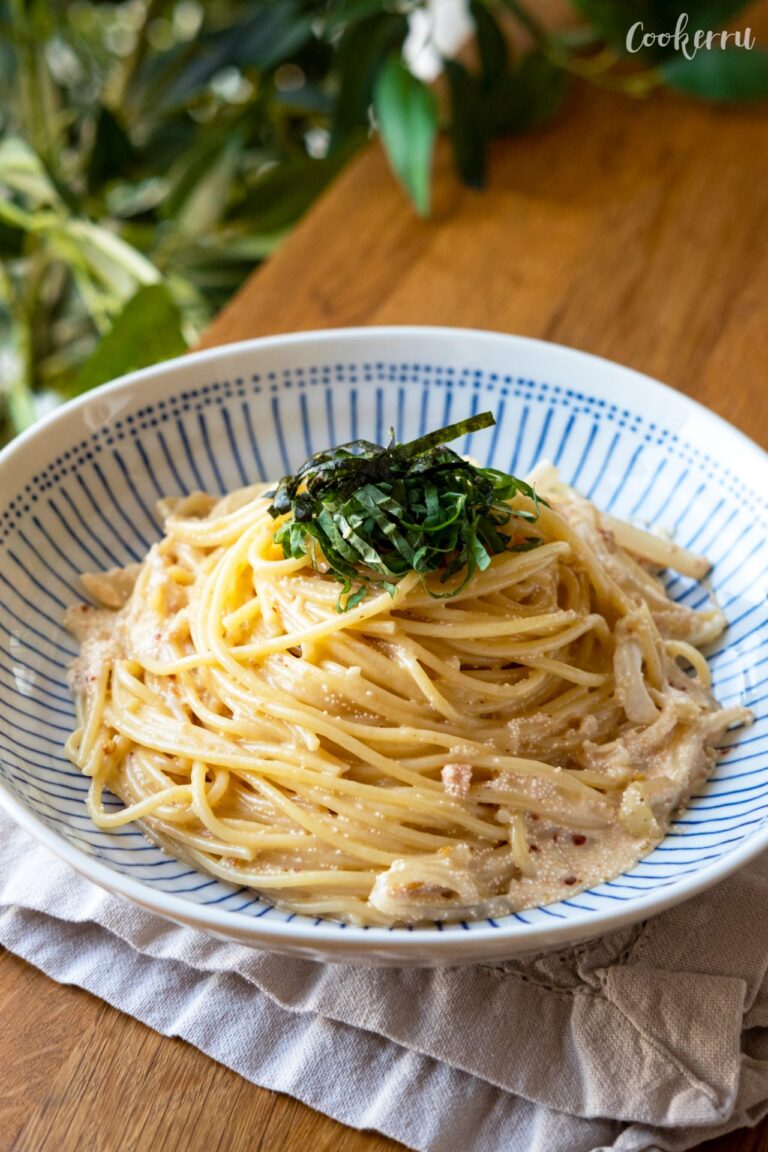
633, 230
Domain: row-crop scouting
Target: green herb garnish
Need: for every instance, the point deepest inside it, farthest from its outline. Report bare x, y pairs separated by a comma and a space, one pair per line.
373, 514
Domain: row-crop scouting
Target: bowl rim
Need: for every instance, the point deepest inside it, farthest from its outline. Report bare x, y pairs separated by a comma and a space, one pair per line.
357, 940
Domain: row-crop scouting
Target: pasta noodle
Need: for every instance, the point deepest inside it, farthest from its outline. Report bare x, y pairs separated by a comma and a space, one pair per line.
411, 758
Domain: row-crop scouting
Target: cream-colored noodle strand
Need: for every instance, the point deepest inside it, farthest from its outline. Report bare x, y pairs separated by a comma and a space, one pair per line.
96, 699
179, 794
678, 649
519, 843
327, 627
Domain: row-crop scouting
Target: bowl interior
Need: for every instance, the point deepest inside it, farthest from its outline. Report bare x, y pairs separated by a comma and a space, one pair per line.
80, 495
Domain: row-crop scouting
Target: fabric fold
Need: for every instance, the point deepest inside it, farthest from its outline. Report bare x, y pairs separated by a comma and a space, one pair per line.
702, 1077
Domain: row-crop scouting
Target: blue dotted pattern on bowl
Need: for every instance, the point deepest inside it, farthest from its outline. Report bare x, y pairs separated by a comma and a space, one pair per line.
93, 508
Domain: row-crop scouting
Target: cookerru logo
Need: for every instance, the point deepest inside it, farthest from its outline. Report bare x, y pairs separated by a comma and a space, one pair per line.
686, 42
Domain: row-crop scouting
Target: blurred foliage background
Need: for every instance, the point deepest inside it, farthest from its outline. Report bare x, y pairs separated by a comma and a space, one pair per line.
153, 151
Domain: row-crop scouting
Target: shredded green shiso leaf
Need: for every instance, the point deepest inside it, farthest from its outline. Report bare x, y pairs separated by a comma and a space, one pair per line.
373, 514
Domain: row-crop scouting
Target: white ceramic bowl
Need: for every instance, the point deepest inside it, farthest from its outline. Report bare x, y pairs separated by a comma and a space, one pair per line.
78, 492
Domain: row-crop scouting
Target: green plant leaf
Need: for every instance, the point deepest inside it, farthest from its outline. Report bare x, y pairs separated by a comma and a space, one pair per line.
31, 26
491, 44
129, 198
147, 330
469, 130
284, 192
270, 34
347, 12
359, 55
214, 267
721, 75
17, 404
189, 170
147, 92
169, 140
119, 267
23, 172
527, 97
13, 217
208, 195
406, 110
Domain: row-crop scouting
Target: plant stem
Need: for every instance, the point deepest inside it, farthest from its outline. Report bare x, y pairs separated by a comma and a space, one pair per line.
16, 360
18, 397
16, 387
36, 90
132, 63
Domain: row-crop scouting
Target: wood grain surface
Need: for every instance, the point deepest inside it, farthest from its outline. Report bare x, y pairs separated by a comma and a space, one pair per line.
635, 230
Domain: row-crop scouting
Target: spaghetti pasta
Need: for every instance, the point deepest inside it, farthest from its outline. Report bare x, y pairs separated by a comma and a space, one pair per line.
411, 758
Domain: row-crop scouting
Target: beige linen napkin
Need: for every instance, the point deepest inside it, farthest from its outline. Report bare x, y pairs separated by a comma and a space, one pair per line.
652, 1038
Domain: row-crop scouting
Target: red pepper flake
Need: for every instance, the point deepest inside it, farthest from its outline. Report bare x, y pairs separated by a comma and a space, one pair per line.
533, 847
554, 837
533, 816
569, 880
578, 839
